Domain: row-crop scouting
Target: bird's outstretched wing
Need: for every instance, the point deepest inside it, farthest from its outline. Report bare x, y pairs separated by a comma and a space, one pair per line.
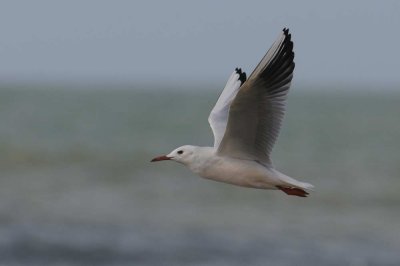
219, 114
256, 113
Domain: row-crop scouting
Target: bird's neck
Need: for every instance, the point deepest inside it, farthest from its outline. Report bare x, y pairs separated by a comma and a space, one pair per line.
200, 158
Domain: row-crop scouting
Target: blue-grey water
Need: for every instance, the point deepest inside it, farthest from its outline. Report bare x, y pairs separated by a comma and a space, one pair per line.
77, 188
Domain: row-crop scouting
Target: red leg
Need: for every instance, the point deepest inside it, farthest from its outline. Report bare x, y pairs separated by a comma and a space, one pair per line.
293, 191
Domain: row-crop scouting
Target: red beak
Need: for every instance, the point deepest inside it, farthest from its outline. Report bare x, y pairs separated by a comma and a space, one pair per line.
161, 158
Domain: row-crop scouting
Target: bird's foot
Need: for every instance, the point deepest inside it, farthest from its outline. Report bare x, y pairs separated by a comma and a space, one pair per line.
293, 191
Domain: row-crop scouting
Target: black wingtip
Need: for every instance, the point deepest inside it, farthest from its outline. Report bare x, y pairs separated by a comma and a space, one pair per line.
280, 68
242, 75
286, 31
242, 78
288, 36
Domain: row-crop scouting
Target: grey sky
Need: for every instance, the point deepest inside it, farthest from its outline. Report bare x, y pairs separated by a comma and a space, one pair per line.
173, 41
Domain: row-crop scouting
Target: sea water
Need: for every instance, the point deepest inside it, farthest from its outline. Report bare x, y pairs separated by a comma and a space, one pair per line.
77, 187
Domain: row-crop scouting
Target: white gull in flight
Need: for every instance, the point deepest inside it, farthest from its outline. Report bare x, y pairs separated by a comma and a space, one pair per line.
245, 121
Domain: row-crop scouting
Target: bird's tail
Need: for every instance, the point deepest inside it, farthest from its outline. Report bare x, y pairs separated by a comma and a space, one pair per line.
294, 187
294, 183
306, 186
297, 188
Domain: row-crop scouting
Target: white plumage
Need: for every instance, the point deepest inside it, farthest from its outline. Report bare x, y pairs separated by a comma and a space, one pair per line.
245, 122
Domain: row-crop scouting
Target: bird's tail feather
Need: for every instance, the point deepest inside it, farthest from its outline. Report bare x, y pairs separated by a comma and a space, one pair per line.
306, 186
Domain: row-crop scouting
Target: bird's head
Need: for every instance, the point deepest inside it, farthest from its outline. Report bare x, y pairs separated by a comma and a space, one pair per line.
183, 154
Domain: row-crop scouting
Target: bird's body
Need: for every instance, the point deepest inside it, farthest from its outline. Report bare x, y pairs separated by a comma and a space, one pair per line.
246, 121
234, 171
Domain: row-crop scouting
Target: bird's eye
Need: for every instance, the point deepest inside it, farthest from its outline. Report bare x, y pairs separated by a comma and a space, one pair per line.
180, 152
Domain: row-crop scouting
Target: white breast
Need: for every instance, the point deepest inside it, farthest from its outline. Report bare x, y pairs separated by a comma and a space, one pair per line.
244, 173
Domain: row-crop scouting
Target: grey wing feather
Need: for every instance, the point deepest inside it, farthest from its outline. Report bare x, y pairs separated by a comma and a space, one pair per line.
256, 113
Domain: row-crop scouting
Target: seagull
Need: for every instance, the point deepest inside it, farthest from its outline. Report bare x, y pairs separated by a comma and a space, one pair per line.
245, 122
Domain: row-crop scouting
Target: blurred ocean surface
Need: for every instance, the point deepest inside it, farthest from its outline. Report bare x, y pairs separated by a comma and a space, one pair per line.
77, 187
